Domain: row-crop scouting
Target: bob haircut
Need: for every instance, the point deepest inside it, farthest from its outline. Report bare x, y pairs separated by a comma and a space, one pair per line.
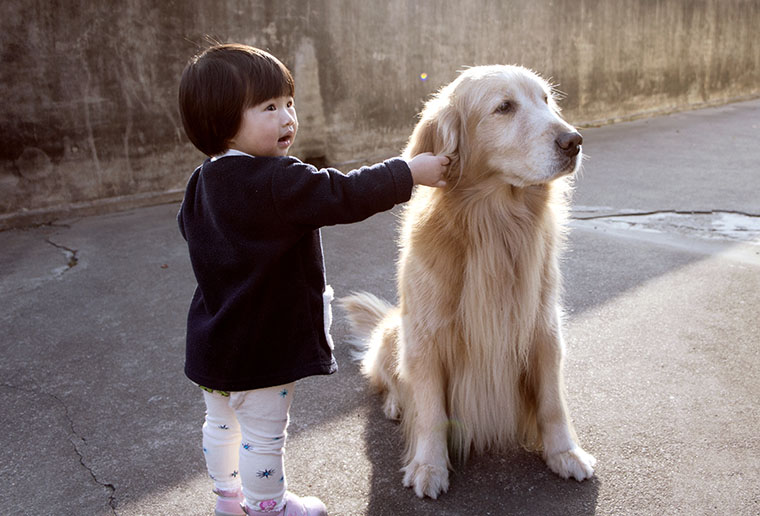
219, 84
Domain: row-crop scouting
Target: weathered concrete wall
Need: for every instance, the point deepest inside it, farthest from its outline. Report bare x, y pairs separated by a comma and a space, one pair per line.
89, 118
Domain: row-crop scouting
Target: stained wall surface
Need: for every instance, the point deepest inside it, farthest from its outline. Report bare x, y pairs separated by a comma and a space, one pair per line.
89, 117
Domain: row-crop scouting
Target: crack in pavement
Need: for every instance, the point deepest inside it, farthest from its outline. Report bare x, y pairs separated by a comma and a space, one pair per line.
110, 487
729, 233
726, 225
660, 212
71, 254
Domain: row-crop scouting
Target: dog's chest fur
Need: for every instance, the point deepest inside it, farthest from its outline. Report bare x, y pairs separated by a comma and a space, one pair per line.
504, 246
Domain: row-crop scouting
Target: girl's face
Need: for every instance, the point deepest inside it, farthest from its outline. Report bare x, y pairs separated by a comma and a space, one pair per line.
267, 129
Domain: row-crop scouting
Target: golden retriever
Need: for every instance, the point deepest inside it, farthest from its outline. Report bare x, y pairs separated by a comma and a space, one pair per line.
471, 358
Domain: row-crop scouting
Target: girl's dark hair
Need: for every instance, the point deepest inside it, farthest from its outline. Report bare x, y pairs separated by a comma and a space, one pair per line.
222, 82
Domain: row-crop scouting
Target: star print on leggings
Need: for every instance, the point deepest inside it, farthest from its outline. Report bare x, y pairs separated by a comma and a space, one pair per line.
265, 474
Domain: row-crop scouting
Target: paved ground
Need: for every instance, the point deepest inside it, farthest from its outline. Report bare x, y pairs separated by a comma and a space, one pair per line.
662, 371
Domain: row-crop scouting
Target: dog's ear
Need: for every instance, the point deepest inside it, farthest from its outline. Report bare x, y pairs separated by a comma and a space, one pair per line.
438, 131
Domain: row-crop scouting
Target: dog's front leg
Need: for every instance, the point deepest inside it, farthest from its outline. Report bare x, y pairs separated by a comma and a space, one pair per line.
562, 453
427, 470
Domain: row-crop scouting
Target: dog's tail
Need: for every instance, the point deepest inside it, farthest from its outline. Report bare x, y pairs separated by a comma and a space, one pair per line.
365, 311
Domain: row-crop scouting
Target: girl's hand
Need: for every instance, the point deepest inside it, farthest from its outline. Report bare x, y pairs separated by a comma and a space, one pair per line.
428, 169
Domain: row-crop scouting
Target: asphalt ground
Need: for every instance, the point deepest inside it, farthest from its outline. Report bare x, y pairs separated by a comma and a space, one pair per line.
662, 292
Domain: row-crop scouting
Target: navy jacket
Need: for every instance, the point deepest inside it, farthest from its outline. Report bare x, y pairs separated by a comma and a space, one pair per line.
257, 318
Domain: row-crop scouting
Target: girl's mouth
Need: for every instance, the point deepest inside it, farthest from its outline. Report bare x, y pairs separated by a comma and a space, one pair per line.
286, 141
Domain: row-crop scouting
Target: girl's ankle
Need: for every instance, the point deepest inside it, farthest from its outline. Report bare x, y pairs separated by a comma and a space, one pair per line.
228, 502
228, 493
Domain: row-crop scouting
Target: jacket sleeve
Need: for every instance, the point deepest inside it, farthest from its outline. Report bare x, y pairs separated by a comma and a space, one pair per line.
306, 196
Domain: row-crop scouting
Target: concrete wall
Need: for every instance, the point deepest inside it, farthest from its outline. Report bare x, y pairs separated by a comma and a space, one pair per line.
89, 121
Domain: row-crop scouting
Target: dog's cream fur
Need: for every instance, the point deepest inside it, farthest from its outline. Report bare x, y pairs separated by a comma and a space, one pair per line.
471, 359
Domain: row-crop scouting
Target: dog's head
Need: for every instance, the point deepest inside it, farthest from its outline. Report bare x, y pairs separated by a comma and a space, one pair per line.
501, 122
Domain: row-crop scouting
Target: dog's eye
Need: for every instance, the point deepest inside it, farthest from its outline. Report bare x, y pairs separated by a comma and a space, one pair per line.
506, 107
546, 98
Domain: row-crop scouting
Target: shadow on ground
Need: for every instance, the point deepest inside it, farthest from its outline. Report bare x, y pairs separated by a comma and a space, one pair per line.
506, 483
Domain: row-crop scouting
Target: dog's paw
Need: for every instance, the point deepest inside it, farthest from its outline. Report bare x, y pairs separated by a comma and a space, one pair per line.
426, 479
574, 463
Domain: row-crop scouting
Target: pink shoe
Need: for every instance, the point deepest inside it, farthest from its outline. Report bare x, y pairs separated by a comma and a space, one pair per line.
228, 503
294, 506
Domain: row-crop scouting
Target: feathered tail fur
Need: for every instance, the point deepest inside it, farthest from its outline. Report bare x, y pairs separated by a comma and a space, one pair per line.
365, 311
375, 325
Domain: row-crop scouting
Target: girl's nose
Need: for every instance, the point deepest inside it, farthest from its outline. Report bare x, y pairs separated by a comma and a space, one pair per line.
288, 118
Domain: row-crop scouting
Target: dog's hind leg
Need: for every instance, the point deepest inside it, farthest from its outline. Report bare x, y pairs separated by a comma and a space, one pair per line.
375, 338
380, 364
561, 452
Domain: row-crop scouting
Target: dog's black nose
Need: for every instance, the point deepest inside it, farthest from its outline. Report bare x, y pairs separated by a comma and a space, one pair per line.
569, 143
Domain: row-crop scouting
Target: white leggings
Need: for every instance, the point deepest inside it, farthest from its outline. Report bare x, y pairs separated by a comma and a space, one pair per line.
243, 442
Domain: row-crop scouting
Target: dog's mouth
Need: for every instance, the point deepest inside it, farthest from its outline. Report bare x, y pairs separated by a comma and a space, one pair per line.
567, 165
573, 161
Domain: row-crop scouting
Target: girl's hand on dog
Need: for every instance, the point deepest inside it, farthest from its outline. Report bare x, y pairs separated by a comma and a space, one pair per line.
428, 169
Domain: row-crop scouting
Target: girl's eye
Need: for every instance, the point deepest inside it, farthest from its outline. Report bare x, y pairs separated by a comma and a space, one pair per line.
271, 107
290, 104
506, 107
546, 98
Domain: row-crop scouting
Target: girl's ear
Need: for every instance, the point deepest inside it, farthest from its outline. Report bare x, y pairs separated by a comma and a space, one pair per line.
438, 131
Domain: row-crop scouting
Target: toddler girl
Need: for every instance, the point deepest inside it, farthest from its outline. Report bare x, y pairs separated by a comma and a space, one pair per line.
259, 319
